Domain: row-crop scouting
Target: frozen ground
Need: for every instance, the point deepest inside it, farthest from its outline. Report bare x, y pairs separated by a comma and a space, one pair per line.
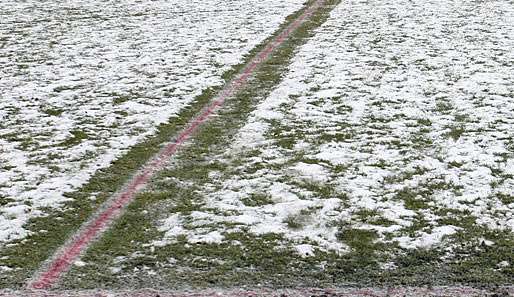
82, 81
394, 125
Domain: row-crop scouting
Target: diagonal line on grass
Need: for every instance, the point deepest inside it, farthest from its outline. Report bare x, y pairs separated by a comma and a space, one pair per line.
112, 209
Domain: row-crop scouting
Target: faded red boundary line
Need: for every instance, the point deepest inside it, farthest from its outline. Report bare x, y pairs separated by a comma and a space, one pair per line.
70, 252
303, 292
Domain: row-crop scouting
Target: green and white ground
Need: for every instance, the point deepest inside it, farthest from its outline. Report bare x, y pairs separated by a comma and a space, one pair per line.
375, 148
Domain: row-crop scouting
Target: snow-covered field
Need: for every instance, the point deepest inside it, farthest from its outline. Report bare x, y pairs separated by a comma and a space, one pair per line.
83, 81
396, 117
379, 150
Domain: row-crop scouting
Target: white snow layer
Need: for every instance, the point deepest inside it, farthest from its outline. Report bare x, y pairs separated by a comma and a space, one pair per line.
83, 81
402, 110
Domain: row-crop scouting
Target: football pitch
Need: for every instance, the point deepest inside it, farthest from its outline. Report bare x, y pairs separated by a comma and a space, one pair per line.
257, 148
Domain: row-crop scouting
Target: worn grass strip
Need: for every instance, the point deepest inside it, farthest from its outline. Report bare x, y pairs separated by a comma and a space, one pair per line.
26, 255
80, 241
192, 166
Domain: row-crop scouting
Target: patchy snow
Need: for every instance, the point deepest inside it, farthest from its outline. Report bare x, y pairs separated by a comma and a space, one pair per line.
397, 117
5, 268
503, 264
313, 172
426, 240
79, 263
211, 237
305, 250
83, 81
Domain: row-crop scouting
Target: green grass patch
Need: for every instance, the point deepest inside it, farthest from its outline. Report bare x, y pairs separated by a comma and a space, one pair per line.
53, 111
456, 132
257, 199
77, 136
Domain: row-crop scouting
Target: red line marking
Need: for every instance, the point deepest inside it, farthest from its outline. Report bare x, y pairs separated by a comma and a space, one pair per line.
69, 253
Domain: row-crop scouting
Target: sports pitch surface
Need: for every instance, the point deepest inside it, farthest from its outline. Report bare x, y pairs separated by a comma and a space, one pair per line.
360, 145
